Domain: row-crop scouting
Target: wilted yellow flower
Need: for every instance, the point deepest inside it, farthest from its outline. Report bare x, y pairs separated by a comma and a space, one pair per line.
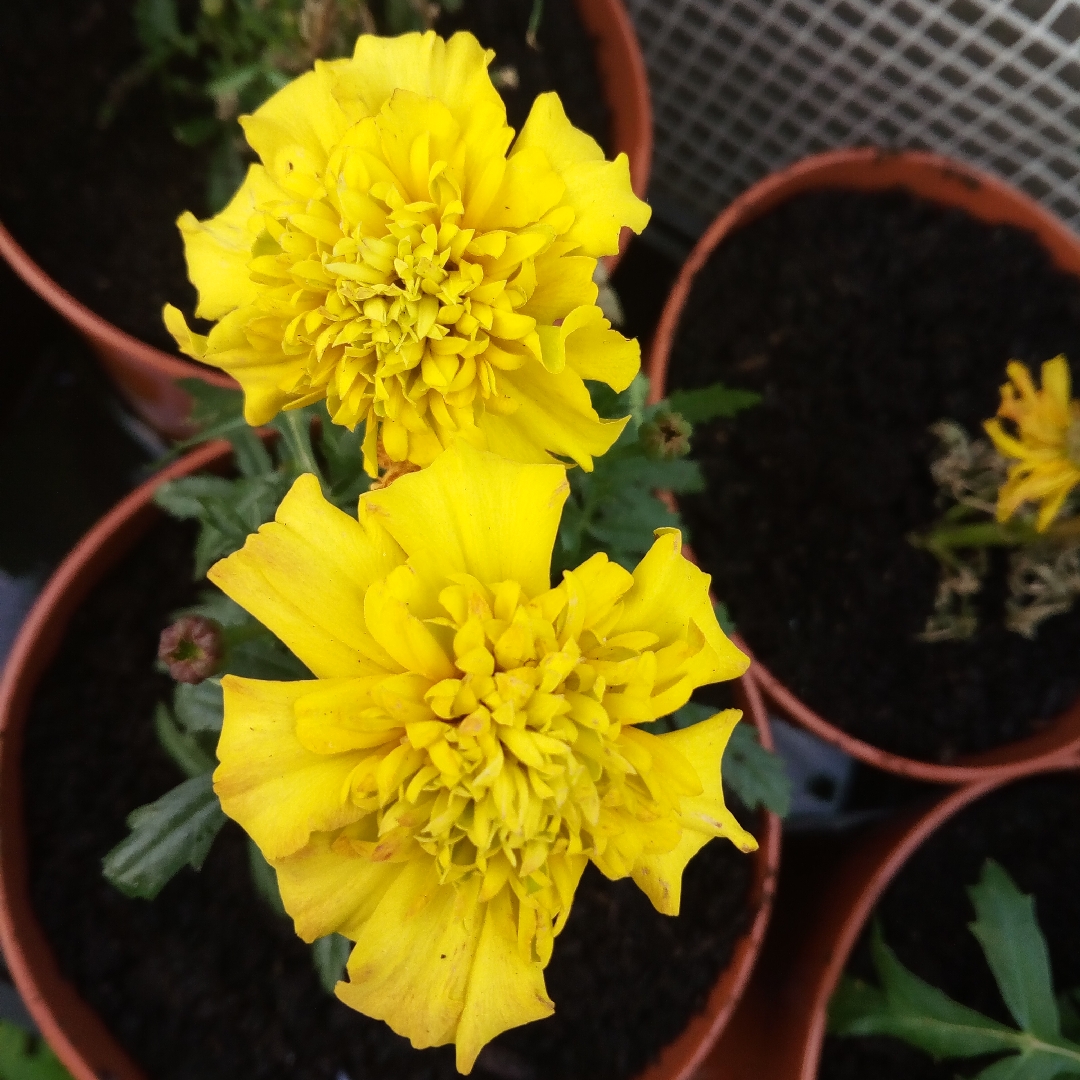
395, 255
1046, 445
469, 741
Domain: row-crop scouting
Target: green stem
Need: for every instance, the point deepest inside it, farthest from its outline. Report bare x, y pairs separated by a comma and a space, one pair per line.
1028, 1043
296, 430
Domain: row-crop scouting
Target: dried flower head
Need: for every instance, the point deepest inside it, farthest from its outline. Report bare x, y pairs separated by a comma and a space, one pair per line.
470, 741
396, 256
191, 648
1046, 443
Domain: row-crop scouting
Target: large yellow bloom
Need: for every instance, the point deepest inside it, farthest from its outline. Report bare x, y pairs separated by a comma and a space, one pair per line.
469, 742
1046, 445
390, 256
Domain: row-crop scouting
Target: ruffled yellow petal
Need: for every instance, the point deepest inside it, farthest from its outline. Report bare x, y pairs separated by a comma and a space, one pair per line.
310, 591
1057, 383
563, 282
454, 71
670, 593
414, 954
586, 342
506, 989
554, 413
328, 892
599, 191
472, 512
277, 790
218, 251
703, 816
294, 131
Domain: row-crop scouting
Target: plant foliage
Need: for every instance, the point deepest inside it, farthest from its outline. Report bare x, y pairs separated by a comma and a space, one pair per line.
223, 58
1042, 1044
616, 508
24, 1056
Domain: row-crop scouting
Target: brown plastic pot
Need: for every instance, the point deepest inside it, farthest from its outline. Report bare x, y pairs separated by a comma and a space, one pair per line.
147, 376
779, 1032
72, 1028
949, 183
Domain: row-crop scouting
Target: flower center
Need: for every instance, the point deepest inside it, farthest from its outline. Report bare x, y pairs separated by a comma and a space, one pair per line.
398, 313
518, 765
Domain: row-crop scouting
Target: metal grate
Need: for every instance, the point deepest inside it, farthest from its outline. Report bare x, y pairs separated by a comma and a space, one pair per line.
743, 87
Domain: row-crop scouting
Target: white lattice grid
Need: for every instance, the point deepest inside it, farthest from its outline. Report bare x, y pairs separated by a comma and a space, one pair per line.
743, 87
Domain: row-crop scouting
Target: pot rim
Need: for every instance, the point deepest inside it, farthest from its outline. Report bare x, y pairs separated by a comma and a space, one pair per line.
944, 181
146, 373
79, 1037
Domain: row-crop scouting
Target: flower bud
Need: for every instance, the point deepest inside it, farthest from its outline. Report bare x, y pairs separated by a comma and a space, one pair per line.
666, 436
191, 648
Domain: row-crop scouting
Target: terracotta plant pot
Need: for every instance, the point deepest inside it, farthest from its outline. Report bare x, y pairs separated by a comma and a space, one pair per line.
71, 1027
147, 376
948, 183
779, 1031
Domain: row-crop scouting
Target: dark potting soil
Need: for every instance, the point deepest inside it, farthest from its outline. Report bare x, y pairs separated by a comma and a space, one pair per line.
1030, 828
862, 319
207, 982
96, 207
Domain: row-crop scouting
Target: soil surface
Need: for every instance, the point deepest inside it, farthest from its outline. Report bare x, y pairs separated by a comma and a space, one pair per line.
206, 981
863, 319
1030, 828
96, 207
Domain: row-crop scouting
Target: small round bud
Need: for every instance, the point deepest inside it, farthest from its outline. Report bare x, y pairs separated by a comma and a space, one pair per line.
666, 436
191, 648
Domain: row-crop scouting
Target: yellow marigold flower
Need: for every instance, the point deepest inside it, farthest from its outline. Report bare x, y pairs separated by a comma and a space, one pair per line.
1046, 445
395, 255
469, 742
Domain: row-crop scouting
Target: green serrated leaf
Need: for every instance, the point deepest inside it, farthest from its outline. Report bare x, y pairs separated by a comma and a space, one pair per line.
330, 954
195, 132
214, 604
183, 747
711, 402
157, 22
175, 831
298, 452
264, 877
723, 617
24, 1056
225, 173
1033, 1066
634, 398
263, 656
755, 774
1015, 949
402, 17
1069, 1007
199, 707
924, 1016
184, 498
853, 1000
232, 82
253, 460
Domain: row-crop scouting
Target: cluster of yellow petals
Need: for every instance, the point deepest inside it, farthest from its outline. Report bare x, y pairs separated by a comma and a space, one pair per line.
1046, 442
469, 742
394, 255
